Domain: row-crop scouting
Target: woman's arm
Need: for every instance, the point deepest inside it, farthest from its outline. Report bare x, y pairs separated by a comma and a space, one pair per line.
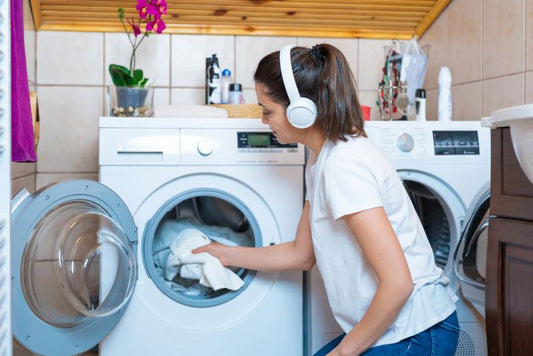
293, 255
381, 247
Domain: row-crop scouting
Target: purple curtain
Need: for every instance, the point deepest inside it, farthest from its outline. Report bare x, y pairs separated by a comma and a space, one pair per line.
21, 122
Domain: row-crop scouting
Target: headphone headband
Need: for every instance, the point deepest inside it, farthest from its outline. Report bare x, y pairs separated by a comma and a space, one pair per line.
287, 74
301, 111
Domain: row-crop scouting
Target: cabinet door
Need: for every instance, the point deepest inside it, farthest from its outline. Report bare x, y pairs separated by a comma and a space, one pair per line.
511, 191
509, 287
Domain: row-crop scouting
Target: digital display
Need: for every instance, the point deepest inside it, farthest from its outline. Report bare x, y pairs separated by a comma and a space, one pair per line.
455, 143
259, 140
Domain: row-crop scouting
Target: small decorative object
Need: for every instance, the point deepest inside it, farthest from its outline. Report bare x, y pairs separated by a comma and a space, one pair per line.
130, 95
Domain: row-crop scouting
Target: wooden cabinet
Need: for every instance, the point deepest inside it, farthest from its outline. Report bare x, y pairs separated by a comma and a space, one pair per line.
509, 280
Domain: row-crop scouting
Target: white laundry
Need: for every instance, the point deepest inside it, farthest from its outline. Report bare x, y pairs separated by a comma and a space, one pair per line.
203, 267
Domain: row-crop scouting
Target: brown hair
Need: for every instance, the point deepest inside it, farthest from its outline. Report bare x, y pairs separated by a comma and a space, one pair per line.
323, 75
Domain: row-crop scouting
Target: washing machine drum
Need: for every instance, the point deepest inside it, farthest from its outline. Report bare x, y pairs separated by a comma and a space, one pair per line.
433, 218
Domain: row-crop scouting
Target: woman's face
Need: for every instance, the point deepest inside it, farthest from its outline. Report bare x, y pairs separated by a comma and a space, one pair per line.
274, 116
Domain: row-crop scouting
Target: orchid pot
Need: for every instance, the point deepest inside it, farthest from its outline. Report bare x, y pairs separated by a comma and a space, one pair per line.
130, 101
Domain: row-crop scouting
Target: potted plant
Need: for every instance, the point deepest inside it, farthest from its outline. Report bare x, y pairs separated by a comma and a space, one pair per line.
131, 96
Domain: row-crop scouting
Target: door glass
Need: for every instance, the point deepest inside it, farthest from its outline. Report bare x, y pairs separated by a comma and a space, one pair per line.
474, 254
218, 220
78, 264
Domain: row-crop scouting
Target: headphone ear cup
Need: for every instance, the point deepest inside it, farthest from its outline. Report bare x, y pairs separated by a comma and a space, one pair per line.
302, 113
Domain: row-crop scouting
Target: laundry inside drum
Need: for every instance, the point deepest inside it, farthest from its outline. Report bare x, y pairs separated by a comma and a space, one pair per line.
212, 219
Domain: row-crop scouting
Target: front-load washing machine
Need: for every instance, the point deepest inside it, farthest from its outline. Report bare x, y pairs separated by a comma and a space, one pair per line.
443, 166
88, 257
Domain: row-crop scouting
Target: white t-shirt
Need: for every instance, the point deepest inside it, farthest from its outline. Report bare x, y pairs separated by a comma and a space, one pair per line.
348, 177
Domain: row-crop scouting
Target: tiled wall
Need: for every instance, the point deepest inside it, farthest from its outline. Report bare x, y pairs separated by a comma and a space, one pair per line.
23, 174
484, 42
489, 48
72, 78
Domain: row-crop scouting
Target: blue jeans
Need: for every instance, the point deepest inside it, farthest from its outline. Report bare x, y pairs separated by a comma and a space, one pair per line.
439, 340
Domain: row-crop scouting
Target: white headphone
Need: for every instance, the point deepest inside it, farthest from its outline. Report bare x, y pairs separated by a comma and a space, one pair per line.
301, 111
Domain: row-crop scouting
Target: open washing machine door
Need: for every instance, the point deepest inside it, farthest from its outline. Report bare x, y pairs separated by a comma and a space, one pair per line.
74, 266
471, 254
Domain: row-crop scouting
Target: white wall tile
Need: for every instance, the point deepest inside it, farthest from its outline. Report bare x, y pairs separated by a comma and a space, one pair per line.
529, 88
69, 129
437, 37
250, 50
503, 92
29, 46
189, 53
18, 184
43, 179
503, 37
348, 47
465, 40
161, 96
249, 96
529, 34
71, 58
152, 56
371, 62
369, 98
189, 96
21, 169
467, 101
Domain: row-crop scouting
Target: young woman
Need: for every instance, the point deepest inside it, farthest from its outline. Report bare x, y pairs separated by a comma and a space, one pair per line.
358, 223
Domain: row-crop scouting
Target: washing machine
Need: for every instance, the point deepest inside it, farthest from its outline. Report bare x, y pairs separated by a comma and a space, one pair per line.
87, 255
444, 166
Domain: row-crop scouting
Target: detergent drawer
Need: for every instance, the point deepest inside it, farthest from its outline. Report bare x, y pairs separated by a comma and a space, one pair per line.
139, 146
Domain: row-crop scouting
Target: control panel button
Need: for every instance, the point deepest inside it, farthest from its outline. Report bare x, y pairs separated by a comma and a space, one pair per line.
205, 147
405, 142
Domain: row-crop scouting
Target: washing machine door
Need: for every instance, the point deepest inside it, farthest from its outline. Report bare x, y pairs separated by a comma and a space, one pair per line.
471, 254
441, 212
73, 266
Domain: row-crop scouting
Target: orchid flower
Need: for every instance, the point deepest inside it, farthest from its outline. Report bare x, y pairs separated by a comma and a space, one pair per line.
150, 12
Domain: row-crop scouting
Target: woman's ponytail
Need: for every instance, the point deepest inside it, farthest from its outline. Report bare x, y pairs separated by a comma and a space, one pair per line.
338, 107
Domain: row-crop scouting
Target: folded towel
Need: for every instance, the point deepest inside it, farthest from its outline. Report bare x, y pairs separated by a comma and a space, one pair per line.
203, 267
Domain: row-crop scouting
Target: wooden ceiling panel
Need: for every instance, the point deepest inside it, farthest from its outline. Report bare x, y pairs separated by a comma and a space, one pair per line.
400, 19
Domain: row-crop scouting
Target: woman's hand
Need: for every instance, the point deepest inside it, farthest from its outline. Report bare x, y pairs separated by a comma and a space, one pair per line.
215, 249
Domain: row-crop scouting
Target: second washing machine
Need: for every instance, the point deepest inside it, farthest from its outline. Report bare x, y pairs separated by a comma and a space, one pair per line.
443, 166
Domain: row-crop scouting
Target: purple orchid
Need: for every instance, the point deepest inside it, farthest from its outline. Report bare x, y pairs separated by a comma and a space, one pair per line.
150, 12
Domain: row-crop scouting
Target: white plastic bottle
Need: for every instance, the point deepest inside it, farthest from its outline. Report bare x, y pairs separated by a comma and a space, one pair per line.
445, 95
225, 81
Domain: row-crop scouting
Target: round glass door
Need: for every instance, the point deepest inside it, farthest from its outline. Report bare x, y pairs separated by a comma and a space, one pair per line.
74, 266
77, 265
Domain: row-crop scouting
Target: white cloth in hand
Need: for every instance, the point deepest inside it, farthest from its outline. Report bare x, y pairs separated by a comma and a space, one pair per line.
202, 266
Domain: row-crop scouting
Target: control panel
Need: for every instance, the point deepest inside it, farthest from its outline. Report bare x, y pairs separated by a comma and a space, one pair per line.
5, 179
262, 141
230, 146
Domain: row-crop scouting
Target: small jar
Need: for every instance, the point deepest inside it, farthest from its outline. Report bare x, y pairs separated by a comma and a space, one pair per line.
235, 94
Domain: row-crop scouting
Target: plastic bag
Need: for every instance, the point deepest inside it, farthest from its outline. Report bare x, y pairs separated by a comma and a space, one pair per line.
413, 68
